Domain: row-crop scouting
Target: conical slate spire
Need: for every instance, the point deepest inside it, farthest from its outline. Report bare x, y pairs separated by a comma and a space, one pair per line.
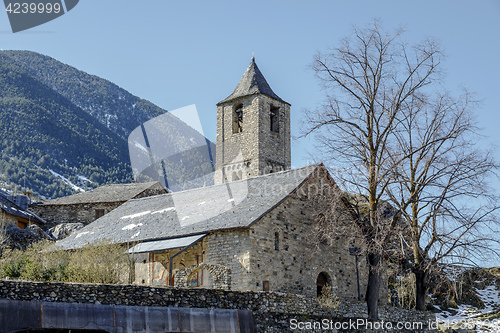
252, 82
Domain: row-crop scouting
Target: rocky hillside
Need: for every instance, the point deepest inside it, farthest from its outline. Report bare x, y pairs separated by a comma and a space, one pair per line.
467, 300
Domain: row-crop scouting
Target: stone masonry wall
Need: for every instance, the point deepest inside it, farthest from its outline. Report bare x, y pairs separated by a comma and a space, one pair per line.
274, 147
83, 213
232, 249
287, 254
272, 311
256, 150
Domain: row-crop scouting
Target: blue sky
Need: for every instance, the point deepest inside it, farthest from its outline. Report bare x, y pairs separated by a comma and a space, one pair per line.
176, 53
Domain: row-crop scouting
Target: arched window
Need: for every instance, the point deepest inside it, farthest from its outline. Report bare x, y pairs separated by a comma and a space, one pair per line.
322, 281
274, 115
238, 118
277, 241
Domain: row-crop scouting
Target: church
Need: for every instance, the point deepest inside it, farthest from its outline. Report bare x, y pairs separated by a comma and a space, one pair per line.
253, 229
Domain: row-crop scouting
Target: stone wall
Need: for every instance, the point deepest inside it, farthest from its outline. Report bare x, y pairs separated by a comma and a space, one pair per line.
83, 213
221, 275
275, 151
286, 254
231, 249
256, 150
272, 311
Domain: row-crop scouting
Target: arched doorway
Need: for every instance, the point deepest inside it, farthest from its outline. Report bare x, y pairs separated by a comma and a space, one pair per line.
201, 278
218, 276
322, 280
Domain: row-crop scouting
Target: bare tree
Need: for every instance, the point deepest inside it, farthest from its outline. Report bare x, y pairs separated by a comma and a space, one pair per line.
441, 187
368, 80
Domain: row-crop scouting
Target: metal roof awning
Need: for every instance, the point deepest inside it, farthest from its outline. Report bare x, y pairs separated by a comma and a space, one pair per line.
166, 244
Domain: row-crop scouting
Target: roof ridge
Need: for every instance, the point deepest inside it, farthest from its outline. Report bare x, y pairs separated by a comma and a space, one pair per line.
123, 184
232, 182
100, 191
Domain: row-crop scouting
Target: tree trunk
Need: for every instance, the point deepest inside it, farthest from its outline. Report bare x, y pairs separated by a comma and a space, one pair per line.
421, 288
374, 280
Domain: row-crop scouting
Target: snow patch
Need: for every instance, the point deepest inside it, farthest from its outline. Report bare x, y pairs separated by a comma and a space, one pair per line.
131, 226
80, 234
83, 178
467, 315
67, 181
135, 215
141, 147
163, 210
490, 297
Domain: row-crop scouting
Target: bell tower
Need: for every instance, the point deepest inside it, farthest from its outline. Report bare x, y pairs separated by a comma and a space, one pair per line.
253, 130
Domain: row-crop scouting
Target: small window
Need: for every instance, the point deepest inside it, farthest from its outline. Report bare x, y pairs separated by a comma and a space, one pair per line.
265, 285
275, 119
238, 119
277, 241
99, 213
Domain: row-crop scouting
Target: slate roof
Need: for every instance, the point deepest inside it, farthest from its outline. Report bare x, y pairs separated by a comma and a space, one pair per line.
252, 82
228, 206
11, 208
107, 193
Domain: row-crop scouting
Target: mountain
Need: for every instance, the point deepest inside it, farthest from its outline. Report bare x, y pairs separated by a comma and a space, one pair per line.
111, 105
64, 130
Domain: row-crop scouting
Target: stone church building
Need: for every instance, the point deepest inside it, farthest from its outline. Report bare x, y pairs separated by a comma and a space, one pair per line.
253, 229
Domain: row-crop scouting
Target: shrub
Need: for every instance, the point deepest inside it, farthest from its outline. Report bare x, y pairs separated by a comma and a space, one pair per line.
104, 263
328, 299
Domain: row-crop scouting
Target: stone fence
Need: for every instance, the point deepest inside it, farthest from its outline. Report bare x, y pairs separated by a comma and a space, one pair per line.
273, 312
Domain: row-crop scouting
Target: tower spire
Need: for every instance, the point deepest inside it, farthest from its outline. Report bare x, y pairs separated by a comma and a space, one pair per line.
252, 82
253, 130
